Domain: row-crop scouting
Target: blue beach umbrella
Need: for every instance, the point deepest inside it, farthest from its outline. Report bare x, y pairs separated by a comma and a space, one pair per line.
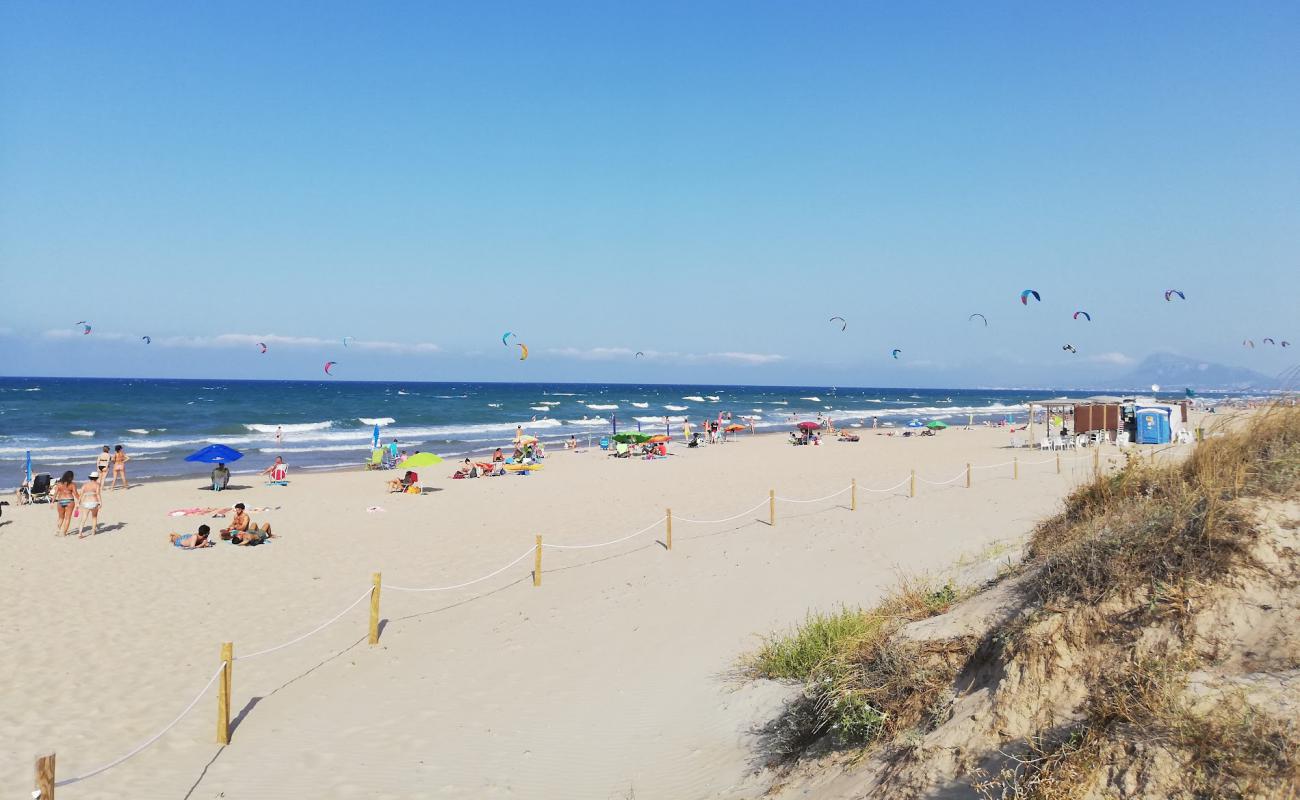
916, 423
215, 454
375, 438
613, 420
29, 466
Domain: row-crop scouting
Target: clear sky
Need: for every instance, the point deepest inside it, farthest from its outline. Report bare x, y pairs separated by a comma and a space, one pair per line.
704, 182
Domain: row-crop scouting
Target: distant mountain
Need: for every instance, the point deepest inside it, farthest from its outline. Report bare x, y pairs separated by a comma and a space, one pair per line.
1173, 371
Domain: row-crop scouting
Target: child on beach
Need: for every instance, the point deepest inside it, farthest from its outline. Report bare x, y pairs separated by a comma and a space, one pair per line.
90, 500
192, 541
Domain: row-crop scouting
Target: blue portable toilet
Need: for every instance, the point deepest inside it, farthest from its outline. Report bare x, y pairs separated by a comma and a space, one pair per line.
1153, 426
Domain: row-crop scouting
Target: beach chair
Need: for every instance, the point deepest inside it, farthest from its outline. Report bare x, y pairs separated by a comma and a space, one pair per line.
376, 460
40, 492
1045, 443
604, 443
279, 477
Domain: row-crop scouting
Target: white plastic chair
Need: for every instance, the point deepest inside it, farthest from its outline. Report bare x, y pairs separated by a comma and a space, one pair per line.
1045, 443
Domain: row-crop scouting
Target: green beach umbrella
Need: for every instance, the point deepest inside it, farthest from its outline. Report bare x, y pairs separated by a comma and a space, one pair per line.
628, 438
420, 460
935, 425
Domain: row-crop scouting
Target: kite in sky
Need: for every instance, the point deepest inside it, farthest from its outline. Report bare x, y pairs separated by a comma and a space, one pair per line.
981, 316
895, 352
843, 322
328, 366
1085, 314
523, 352
1024, 296
1169, 295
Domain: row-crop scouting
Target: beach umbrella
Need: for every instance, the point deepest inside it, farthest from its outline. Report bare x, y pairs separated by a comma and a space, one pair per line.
734, 428
935, 425
29, 467
613, 420
420, 460
628, 438
374, 437
527, 439
808, 426
657, 438
916, 423
215, 454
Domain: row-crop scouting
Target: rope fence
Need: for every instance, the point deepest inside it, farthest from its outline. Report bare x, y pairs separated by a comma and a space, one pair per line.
45, 778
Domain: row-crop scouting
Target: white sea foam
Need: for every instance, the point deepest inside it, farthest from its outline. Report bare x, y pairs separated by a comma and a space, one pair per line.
494, 405
81, 433
641, 405
599, 407
141, 431
301, 427
676, 408
548, 402
814, 399
540, 408
380, 421
713, 397
780, 402
590, 423
399, 391
694, 398
658, 420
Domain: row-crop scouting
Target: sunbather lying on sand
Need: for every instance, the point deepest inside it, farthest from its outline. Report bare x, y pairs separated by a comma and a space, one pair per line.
252, 537
192, 541
242, 524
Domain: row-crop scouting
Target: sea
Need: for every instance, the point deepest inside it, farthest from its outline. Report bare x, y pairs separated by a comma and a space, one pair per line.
64, 422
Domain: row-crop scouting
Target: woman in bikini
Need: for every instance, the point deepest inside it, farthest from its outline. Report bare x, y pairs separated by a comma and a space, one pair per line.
119, 467
102, 461
90, 500
65, 502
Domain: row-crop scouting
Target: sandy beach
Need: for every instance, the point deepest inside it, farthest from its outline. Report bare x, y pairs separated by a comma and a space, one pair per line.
614, 678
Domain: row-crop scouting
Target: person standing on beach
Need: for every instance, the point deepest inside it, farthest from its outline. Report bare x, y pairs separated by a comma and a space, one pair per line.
119, 467
65, 499
279, 435
102, 461
392, 450
90, 500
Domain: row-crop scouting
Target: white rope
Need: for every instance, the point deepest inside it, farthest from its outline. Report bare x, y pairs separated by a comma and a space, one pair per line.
654, 524
492, 574
995, 466
318, 629
956, 477
150, 740
724, 519
815, 500
890, 489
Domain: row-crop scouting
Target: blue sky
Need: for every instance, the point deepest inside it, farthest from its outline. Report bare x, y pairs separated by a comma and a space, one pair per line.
704, 182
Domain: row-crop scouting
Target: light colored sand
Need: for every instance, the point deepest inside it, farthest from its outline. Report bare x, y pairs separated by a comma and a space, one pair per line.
614, 679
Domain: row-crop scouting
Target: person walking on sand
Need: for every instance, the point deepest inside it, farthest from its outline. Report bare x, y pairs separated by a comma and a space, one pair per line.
90, 500
102, 461
65, 499
119, 467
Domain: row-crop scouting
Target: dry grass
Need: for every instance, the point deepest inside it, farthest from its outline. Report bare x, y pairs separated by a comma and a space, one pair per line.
1159, 532
860, 683
1166, 527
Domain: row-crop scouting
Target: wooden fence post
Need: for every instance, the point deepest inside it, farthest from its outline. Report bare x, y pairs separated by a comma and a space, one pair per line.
967, 474
853, 495
771, 508
1015, 468
911, 490
374, 608
1058, 463
1096, 463
670, 529
223, 693
537, 563
45, 777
